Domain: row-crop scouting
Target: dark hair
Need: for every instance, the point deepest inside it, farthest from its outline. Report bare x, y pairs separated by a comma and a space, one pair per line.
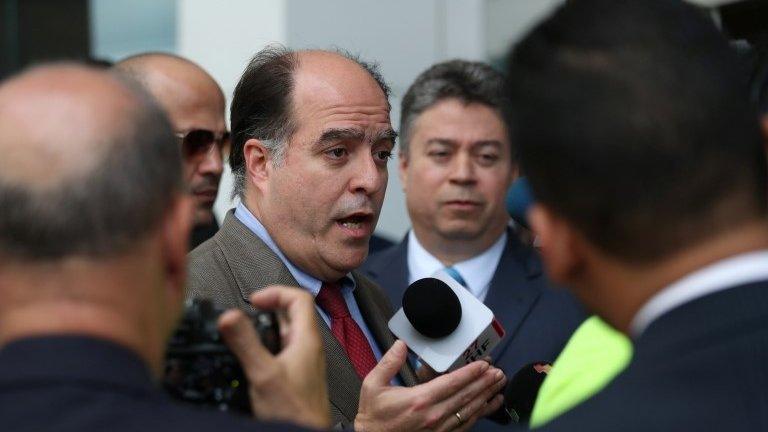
262, 105
105, 210
633, 123
469, 82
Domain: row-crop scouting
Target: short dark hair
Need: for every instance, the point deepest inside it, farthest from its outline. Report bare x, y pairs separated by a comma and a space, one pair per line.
633, 123
467, 81
262, 104
105, 210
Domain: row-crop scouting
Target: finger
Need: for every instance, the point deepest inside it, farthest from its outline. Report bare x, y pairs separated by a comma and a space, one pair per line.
489, 408
388, 366
469, 400
447, 385
298, 305
241, 337
482, 405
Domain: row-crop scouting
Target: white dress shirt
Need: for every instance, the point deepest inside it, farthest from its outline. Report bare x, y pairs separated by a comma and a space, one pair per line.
476, 271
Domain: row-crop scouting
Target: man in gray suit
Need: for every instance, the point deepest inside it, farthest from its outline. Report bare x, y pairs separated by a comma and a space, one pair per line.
311, 137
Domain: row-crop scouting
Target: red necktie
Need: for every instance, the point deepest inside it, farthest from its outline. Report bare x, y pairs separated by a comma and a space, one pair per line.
345, 329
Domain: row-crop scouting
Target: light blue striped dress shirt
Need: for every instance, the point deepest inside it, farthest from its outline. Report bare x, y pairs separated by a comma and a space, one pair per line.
309, 282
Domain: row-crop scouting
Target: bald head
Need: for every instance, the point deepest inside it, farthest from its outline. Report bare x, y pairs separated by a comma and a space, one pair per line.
51, 120
193, 101
176, 83
75, 175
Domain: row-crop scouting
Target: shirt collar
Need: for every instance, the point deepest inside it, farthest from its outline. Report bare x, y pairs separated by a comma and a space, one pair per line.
476, 271
727, 273
306, 281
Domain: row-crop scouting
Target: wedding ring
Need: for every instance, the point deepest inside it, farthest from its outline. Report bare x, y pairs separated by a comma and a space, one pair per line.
458, 416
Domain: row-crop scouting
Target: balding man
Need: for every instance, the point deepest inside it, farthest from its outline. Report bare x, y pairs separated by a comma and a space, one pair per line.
195, 105
93, 223
311, 141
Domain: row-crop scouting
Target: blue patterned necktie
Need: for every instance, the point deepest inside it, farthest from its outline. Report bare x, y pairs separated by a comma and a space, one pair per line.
452, 272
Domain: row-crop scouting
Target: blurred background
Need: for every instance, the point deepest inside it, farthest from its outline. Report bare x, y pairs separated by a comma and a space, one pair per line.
403, 36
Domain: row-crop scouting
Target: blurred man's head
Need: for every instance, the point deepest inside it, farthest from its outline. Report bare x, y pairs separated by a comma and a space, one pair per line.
311, 137
456, 161
93, 219
638, 140
195, 105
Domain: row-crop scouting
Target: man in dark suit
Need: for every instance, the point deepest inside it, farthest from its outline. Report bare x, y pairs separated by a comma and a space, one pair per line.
647, 161
94, 224
311, 137
456, 165
195, 105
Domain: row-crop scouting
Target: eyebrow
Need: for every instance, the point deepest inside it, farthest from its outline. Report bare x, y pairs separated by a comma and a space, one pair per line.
340, 134
451, 142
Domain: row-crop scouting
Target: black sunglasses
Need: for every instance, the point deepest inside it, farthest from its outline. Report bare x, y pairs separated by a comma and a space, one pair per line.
198, 142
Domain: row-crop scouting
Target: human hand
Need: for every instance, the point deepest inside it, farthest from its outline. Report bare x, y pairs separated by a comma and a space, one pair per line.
290, 386
471, 392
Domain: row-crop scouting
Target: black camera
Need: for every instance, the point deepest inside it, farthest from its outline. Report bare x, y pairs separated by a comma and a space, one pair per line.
200, 368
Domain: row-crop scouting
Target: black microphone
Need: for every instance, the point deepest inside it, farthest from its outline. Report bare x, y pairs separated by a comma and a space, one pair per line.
444, 324
520, 394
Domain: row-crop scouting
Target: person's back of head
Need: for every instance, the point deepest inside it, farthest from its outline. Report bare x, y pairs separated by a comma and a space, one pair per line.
634, 125
90, 179
644, 116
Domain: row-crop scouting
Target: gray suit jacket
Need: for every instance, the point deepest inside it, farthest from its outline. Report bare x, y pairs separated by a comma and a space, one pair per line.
235, 262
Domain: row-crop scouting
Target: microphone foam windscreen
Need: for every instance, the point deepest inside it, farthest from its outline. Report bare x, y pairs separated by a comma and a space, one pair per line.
432, 307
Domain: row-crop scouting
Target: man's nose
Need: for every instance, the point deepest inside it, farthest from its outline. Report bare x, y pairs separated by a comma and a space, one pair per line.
368, 177
212, 162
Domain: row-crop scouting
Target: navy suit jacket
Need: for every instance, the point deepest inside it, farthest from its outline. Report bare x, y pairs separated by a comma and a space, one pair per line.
537, 318
76, 384
702, 366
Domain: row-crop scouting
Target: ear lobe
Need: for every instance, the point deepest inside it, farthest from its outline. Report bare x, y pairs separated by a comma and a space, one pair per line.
257, 159
558, 244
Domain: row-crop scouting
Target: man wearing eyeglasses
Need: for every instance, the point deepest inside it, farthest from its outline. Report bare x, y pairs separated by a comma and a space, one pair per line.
195, 104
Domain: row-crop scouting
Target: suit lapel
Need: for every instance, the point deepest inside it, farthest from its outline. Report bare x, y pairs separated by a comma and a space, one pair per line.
391, 272
512, 294
255, 266
378, 327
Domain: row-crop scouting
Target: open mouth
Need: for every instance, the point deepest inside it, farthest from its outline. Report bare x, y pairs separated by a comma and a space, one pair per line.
357, 225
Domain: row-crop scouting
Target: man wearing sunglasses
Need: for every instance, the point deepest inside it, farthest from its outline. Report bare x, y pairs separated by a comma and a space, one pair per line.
195, 104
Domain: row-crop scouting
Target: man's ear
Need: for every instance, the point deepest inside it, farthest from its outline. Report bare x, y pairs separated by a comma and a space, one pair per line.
559, 244
257, 158
402, 165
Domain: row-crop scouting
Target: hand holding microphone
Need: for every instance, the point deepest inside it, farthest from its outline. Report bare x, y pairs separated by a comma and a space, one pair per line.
453, 401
